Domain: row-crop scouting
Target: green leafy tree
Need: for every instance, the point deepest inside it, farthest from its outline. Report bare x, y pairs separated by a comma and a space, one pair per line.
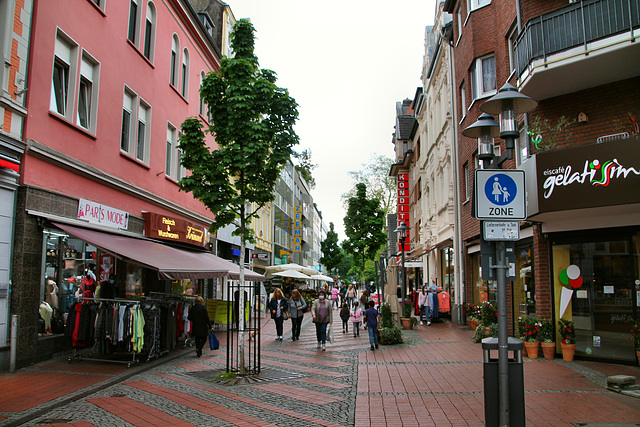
364, 227
345, 265
332, 254
305, 167
252, 121
375, 175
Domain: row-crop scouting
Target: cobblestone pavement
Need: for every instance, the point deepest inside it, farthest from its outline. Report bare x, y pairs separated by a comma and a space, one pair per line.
434, 379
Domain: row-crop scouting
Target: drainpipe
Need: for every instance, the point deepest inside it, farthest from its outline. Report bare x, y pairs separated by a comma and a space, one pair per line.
14, 343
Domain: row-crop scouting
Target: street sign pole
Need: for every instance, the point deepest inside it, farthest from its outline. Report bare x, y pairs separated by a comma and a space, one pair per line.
503, 336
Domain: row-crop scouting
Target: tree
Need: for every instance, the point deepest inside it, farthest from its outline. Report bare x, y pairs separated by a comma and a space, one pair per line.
252, 121
331, 252
375, 175
364, 227
305, 167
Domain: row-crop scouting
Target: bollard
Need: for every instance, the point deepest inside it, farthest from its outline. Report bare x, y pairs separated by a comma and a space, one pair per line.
516, 383
14, 342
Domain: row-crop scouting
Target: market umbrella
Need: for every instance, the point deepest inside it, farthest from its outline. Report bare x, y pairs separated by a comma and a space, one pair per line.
322, 277
291, 273
270, 270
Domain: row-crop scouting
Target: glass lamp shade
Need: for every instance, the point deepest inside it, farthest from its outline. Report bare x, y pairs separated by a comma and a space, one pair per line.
485, 146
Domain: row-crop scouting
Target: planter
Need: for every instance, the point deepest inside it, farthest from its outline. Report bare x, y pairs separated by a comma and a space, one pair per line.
549, 350
568, 351
532, 349
473, 324
406, 323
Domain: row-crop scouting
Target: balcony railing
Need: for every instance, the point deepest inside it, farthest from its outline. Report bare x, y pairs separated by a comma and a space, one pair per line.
575, 25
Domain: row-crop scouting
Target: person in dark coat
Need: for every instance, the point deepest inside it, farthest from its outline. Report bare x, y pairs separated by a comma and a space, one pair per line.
201, 324
278, 305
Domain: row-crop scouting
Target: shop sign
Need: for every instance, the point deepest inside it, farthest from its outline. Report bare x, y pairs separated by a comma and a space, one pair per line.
260, 256
106, 267
605, 174
174, 229
297, 228
102, 214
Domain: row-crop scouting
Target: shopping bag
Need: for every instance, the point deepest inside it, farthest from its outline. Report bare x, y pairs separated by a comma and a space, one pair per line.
214, 343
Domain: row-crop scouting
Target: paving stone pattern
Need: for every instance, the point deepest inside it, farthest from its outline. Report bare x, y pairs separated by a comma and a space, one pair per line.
434, 379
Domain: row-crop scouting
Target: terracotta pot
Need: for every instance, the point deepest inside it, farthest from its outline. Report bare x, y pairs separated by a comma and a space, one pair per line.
406, 323
568, 351
549, 350
473, 325
638, 355
532, 349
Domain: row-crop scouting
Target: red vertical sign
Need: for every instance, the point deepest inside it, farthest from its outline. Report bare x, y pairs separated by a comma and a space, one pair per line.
403, 206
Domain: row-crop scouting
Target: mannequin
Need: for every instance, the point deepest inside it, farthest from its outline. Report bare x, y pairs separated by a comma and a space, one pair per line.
51, 294
46, 312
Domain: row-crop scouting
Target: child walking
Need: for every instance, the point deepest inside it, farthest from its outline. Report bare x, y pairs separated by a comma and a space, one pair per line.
356, 318
372, 317
344, 315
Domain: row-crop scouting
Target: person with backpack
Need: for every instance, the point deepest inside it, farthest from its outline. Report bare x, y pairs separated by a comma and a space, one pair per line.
297, 308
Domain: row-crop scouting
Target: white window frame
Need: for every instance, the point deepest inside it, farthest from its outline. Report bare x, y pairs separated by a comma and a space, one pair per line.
89, 77
172, 140
150, 32
100, 4
140, 115
174, 72
184, 69
476, 4
511, 39
203, 105
460, 23
463, 99
522, 147
478, 78
133, 27
467, 182
66, 57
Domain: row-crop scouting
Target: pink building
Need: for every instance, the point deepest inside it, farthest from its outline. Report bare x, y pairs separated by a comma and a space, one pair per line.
109, 84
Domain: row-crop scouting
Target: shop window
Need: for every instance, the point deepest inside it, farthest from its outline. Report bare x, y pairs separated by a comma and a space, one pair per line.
524, 292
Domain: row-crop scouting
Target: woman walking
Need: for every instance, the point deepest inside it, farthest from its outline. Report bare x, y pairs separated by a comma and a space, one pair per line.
344, 315
364, 303
201, 325
322, 316
351, 295
278, 305
356, 318
425, 305
297, 307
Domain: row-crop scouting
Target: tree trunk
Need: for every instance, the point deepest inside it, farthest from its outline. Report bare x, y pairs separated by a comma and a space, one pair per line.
241, 302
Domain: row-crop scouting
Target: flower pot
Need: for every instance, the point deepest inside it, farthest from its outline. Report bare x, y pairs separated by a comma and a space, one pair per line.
532, 349
473, 325
549, 350
568, 351
406, 323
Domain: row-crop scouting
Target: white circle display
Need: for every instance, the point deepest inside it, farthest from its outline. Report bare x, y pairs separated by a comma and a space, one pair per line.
573, 272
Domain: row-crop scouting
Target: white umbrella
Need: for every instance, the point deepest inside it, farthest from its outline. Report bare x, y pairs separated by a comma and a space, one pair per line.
322, 277
291, 273
270, 270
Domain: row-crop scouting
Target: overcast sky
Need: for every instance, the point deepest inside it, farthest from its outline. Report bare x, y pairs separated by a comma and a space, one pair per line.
346, 63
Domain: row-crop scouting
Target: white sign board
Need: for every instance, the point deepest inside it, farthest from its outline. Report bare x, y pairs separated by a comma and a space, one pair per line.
102, 214
500, 194
501, 230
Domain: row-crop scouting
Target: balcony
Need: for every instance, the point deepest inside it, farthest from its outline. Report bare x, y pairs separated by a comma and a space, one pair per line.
584, 45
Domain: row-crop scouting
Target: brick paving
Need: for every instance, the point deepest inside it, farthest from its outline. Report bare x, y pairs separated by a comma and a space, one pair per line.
434, 379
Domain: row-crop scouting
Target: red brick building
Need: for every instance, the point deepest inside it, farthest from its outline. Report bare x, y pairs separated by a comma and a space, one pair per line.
578, 253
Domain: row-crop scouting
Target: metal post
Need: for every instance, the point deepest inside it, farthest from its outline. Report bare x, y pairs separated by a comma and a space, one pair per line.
14, 343
404, 277
503, 351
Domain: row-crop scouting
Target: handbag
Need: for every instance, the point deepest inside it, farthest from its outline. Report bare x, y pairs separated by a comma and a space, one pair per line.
285, 315
214, 343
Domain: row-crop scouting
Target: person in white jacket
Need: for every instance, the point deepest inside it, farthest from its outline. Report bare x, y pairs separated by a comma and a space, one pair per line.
425, 305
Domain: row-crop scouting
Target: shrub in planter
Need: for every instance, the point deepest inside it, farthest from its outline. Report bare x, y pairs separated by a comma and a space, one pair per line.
488, 314
386, 317
392, 335
406, 309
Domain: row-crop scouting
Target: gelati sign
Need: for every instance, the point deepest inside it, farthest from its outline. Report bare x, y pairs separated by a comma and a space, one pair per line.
175, 229
605, 174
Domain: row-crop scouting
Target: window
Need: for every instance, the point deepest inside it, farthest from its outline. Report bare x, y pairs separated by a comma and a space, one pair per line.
171, 143
149, 32
133, 21
135, 110
185, 73
62, 64
466, 191
459, 15
463, 100
203, 106
476, 4
513, 37
483, 77
173, 73
522, 147
87, 93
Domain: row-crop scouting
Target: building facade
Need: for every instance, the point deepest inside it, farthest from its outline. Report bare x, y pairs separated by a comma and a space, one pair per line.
577, 257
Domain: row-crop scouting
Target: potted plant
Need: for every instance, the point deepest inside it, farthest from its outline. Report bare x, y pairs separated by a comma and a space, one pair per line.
488, 315
568, 337
389, 333
635, 335
528, 329
406, 315
547, 332
472, 312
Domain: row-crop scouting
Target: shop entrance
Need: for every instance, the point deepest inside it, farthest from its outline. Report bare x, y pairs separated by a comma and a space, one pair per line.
604, 306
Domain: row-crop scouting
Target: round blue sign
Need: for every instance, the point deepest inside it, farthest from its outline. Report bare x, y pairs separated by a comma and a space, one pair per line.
500, 189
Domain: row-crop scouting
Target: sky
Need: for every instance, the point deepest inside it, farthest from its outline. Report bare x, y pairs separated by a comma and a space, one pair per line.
347, 64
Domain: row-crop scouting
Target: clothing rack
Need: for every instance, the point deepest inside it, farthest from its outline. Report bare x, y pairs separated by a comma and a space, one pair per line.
78, 354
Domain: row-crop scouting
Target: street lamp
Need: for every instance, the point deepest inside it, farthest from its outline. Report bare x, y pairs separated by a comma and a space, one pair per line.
402, 229
508, 103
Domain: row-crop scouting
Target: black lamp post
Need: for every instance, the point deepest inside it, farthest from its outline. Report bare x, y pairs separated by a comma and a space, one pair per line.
402, 229
508, 103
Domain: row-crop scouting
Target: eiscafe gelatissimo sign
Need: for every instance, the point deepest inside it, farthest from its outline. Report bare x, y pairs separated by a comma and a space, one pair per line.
595, 175
175, 229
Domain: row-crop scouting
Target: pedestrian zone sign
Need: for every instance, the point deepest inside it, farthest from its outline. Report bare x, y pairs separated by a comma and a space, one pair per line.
500, 194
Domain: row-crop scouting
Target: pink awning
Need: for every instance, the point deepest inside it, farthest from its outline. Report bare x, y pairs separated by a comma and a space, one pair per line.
171, 263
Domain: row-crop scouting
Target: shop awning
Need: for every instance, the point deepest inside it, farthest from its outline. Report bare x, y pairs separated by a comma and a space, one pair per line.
169, 262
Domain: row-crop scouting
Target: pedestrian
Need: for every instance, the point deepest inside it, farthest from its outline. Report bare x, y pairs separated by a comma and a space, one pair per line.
364, 303
297, 307
334, 296
372, 317
344, 315
278, 306
200, 324
351, 295
356, 318
322, 317
425, 305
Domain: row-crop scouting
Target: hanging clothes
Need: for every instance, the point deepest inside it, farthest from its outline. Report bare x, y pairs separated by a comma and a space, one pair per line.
444, 302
